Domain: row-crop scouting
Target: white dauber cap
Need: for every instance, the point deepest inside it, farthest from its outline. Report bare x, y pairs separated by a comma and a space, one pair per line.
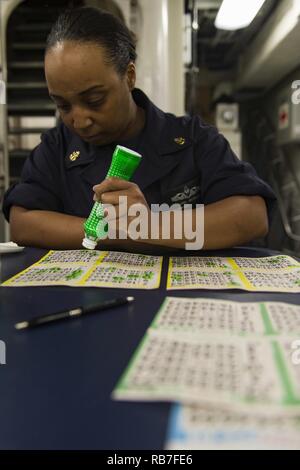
89, 244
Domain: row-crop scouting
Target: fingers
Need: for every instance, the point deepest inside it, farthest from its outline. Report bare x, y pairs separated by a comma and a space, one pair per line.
115, 197
110, 185
115, 212
118, 197
113, 190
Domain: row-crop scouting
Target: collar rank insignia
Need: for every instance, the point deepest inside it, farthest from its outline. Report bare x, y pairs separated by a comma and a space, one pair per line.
74, 156
179, 140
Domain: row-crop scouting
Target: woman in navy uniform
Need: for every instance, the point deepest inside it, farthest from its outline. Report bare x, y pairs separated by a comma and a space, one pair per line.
90, 72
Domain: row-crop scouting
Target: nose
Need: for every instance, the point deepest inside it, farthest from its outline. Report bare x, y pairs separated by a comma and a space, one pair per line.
81, 119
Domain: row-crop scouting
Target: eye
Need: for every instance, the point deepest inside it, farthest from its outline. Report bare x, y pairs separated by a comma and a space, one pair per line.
95, 104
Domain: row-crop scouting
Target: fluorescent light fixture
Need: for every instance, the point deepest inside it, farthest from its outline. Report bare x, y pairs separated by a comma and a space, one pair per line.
237, 14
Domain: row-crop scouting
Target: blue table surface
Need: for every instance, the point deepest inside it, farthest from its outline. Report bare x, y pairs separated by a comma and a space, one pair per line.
57, 382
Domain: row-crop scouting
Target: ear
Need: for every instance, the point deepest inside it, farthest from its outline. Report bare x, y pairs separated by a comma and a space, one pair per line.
131, 76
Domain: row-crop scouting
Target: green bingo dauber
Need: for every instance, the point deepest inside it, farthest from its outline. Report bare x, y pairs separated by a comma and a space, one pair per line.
123, 165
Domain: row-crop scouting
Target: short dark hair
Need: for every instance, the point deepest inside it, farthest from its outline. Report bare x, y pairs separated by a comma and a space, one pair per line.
92, 25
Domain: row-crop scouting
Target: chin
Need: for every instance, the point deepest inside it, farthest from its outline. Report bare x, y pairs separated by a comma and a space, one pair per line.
101, 142
97, 141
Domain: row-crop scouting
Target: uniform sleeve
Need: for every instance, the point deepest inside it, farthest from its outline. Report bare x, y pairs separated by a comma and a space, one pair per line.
224, 175
39, 184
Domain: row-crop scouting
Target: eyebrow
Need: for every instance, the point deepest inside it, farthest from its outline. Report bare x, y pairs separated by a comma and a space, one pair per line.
84, 92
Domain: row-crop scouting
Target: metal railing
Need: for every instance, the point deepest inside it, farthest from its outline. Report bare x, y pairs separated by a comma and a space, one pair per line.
287, 220
273, 164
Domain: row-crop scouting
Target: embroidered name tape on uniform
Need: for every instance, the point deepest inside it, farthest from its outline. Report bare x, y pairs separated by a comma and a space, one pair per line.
189, 194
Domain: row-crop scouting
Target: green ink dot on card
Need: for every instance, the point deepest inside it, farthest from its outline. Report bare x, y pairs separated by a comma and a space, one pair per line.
74, 274
177, 277
147, 275
118, 278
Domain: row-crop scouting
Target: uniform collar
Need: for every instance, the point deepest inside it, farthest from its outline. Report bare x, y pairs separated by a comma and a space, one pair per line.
164, 140
78, 152
163, 130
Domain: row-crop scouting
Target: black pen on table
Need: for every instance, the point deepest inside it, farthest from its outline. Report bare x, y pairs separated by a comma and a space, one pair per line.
73, 313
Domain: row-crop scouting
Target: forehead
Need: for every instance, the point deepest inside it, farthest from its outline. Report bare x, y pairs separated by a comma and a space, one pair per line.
72, 67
